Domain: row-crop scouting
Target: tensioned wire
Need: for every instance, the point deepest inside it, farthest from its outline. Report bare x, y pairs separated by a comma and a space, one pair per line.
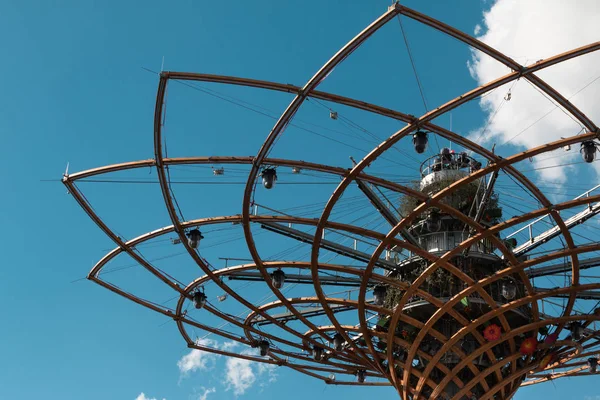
347, 212
556, 106
551, 225
372, 135
268, 296
414, 68
358, 219
490, 120
353, 125
326, 128
289, 124
544, 221
262, 300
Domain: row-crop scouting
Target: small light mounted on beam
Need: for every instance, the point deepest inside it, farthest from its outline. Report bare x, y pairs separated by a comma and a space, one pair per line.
269, 176
263, 346
338, 342
593, 364
361, 375
509, 290
379, 294
433, 221
420, 141
199, 299
317, 353
194, 238
577, 330
278, 278
222, 297
588, 151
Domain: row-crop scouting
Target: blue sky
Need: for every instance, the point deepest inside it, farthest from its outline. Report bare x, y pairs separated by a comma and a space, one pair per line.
74, 91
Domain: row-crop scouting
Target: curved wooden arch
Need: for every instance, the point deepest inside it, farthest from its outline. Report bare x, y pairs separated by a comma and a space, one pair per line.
369, 358
165, 230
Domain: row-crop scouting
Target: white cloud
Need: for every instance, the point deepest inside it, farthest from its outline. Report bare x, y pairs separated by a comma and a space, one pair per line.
239, 375
529, 31
270, 370
142, 396
228, 346
197, 360
206, 392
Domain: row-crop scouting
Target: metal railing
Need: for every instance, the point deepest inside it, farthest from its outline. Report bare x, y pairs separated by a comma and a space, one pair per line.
450, 161
530, 225
448, 240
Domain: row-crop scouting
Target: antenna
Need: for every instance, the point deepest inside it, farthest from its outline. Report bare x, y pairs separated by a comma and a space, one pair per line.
66, 170
450, 129
162, 65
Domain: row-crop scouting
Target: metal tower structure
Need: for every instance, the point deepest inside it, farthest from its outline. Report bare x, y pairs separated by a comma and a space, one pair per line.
446, 304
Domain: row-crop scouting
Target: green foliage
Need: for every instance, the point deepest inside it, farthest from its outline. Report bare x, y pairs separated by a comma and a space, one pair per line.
392, 296
461, 198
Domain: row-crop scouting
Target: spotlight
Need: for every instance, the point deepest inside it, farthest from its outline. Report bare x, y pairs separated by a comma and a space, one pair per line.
420, 141
379, 294
317, 353
264, 347
199, 300
194, 238
509, 290
278, 278
588, 151
593, 364
338, 342
269, 176
361, 374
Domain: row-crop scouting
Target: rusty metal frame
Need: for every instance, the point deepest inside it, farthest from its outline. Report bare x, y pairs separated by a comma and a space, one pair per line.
353, 356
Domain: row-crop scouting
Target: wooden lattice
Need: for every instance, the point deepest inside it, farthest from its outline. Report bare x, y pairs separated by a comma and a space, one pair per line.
388, 351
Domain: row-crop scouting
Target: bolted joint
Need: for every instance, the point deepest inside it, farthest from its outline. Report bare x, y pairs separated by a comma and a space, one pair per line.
395, 6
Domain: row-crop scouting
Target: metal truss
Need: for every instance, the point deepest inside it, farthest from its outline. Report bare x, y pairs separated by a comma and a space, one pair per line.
361, 352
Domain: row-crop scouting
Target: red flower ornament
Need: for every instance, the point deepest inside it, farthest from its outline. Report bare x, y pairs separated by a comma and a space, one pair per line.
529, 346
551, 338
492, 332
